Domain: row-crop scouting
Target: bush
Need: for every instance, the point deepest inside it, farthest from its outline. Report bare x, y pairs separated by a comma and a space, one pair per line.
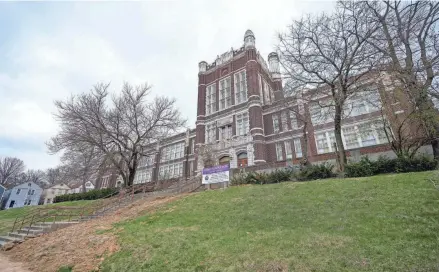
383, 165
90, 195
312, 172
276, 176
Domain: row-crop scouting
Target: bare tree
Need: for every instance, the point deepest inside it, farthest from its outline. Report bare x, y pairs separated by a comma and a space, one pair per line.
35, 176
122, 130
328, 54
10, 168
55, 175
407, 43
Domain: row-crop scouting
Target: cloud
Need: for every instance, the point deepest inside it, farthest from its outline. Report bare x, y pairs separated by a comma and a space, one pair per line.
54, 50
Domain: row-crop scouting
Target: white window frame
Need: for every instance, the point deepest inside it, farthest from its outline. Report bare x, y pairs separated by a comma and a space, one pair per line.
173, 170
297, 147
294, 121
276, 123
211, 99
225, 94
225, 132
279, 152
172, 152
240, 87
210, 133
288, 150
242, 118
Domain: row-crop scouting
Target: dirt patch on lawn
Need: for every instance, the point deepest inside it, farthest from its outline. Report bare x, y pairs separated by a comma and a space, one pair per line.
83, 246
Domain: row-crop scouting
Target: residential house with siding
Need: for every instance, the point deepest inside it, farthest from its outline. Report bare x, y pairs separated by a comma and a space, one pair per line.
54, 191
25, 194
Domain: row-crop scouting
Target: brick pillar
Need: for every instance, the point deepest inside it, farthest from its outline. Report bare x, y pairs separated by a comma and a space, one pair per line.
201, 116
255, 109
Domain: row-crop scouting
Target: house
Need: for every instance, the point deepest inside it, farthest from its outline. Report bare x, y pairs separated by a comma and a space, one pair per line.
74, 189
25, 194
56, 190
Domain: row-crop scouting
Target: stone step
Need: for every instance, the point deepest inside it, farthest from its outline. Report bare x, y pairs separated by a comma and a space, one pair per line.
30, 232
6, 239
21, 236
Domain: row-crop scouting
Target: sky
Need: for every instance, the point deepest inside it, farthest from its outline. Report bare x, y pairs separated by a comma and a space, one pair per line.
51, 50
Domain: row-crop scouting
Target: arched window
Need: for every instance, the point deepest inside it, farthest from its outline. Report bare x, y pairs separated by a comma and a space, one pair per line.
224, 160
242, 160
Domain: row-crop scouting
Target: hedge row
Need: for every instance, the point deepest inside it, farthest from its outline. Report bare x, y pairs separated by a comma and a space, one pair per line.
363, 168
90, 195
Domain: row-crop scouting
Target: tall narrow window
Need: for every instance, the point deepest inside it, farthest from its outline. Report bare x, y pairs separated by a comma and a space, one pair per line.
225, 94
284, 121
293, 120
192, 146
279, 154
225, 132
210, 133
275, 123
240, 87
288, 151
267, 91
210, 99
191, 168
242, 124
297, 147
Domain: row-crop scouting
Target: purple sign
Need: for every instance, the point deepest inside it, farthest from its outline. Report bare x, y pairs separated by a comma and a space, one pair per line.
216, 169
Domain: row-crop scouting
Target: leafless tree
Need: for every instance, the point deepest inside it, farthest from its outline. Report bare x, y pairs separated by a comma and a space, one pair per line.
122, 130
408, 46
35, 176
10, 168
55, 175
328, 54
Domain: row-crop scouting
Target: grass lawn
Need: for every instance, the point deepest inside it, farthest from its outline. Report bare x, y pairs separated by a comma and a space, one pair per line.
7, 217
380, 223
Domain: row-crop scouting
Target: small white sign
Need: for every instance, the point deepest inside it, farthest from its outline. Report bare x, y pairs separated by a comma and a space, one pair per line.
216, 174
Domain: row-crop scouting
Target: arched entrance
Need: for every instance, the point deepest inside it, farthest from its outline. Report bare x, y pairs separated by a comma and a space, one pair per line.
242, 160
224, 160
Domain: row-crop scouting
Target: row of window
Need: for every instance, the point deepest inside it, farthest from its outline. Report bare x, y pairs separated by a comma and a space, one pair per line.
143, 176
172, 152
226, 132
225, 93
284, 120
288, 149
29, 192
168, 171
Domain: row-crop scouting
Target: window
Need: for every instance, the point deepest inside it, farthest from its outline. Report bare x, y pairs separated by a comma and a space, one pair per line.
225, 132
362, 103
210, 99
105, 181
275, 123
29, 184
143, 176
297, 147
283, 119
27, 202
49, 200
279, 153
171, 171
240, 87
172, 152
191, 168
261, 94
210, 133
225, 96
18, 191
366, 134
193, 146
267, 92
323, 143
288, 151
321, 113
293, 120
350, 137
242, 124
31, 192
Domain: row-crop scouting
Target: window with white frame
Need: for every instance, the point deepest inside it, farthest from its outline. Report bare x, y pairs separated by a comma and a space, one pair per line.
143, 176
105, 181
267, 92
18, 191
350, 137
240, 87
172, 152
225, 99
362, 103
168, 171
225, 132
192, 145
321, 113
27, 202
288, 150
297, 147
279, 152
191, 168
293, 120
210, 133
365, 134
275, 123
324, 141
210, 99
261, 94
242, 124
284, 121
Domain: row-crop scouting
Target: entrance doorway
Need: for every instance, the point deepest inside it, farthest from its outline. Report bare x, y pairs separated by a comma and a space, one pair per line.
242, 160
11, 205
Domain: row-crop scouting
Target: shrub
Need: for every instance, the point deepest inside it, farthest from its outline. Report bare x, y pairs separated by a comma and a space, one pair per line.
276, 176
383, 165
90, 195
312, 172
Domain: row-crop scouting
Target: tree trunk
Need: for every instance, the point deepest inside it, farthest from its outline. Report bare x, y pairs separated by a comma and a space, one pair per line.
435, 146
338, 138
305, 161
131, 174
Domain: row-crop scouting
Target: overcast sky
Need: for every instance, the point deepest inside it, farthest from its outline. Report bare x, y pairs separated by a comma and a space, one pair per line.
51, 50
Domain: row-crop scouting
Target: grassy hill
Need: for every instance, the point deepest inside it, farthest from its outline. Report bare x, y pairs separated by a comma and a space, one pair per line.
381, 223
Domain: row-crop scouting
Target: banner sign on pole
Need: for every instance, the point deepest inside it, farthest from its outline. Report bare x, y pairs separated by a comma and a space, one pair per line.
216, 174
